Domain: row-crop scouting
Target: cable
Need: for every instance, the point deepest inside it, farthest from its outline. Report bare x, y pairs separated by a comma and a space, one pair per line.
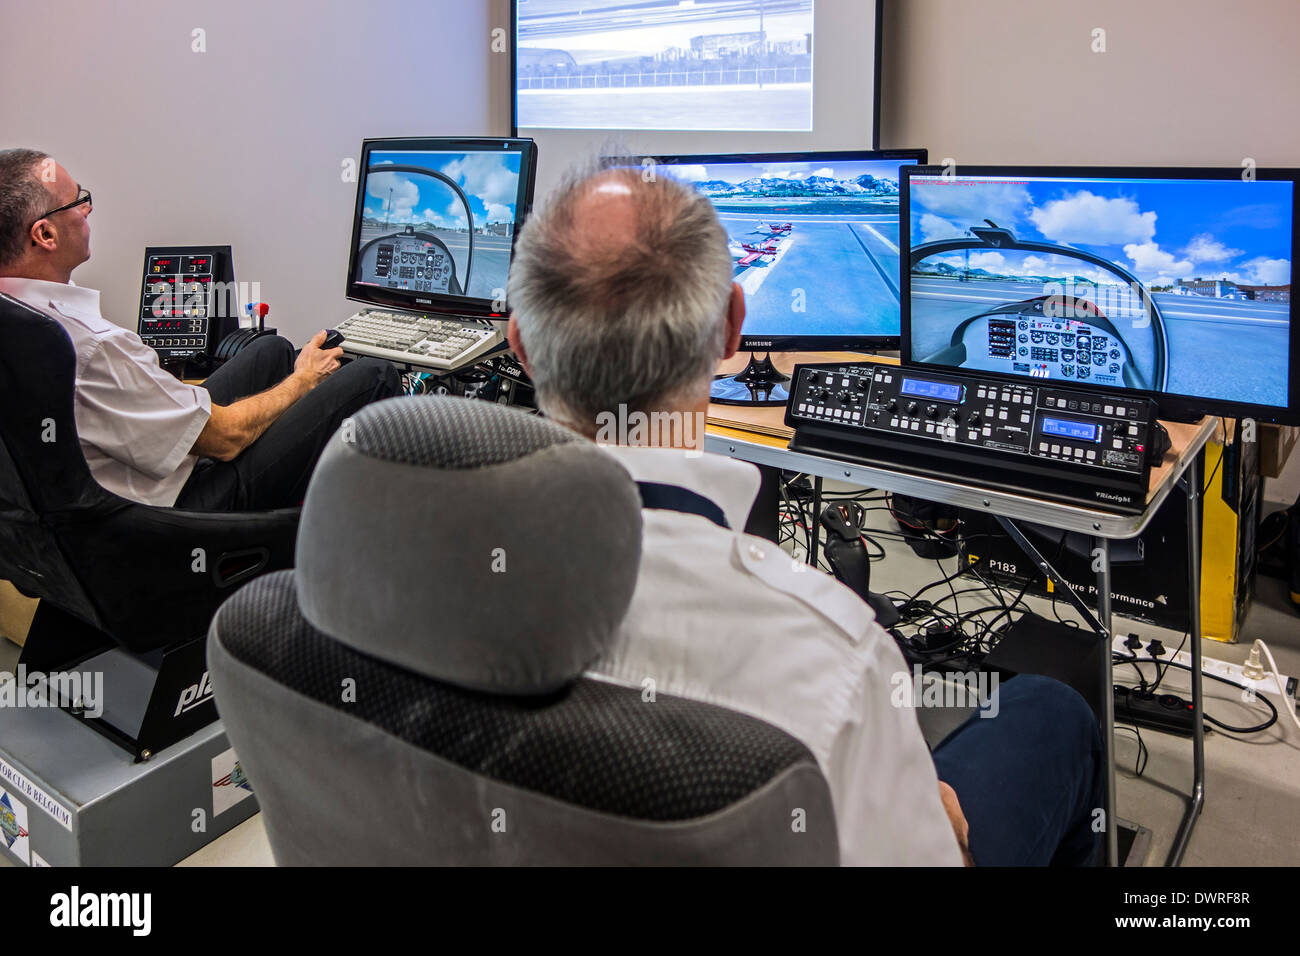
1132, 659
1286, 520
1160, 674
1232, 683
1277, 680
1223, 453
1140, 763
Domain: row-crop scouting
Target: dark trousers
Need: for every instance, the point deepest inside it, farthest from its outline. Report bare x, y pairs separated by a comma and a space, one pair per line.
274, 470
1030, 780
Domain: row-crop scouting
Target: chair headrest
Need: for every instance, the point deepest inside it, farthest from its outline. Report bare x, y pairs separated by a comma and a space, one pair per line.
469, 542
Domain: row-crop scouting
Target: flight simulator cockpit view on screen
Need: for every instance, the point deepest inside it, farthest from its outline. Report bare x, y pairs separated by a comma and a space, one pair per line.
1172, 285
438, 222
813, 239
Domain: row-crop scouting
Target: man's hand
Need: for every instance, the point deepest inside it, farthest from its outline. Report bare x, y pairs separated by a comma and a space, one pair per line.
232, 428
317, 364
958, 819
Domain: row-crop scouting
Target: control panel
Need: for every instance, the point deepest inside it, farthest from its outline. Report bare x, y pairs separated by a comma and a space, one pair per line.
188, 301
1024, 340
411, 260
1029, 428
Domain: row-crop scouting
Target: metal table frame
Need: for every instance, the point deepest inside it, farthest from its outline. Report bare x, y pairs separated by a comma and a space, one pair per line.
1103, 527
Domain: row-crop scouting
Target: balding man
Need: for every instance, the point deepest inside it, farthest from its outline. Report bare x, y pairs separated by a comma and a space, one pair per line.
623, 302
246, 440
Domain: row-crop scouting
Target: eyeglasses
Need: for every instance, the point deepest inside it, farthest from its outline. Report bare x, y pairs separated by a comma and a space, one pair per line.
83, 197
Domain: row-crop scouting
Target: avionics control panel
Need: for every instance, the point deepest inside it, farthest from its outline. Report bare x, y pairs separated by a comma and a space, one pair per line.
1023, 340
411, 261
188, 300
1063, 443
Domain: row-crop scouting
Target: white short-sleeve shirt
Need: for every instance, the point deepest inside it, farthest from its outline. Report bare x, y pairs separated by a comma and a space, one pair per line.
727, 618
137, 423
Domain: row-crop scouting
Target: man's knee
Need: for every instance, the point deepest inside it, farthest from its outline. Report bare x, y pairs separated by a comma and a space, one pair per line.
372, 373
1053, 703
269, 347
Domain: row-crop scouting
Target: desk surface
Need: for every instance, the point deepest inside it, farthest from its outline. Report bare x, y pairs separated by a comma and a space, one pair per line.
747, 433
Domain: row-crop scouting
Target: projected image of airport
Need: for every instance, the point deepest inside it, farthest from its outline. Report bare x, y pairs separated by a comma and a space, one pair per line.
1172, 285
814, 245
438, 222
664, 64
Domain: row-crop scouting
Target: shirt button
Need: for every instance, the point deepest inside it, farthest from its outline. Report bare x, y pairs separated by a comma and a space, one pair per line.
757, 553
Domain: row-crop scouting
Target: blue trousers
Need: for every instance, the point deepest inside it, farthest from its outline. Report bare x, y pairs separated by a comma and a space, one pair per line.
1030, 780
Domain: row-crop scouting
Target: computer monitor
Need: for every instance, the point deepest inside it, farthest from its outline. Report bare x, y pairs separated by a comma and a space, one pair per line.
435, 223
1171, 282
814, 240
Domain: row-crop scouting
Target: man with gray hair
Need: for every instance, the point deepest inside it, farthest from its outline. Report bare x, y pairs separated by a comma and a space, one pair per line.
622, 304
247, 439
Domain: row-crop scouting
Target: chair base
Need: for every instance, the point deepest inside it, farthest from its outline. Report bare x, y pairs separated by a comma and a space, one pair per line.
151, 701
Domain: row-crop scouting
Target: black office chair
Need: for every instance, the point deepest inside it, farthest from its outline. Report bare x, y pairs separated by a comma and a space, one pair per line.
110, 572
414, 691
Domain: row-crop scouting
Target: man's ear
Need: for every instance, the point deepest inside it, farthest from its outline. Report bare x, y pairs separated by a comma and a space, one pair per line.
43, 235
517, 344
735, 319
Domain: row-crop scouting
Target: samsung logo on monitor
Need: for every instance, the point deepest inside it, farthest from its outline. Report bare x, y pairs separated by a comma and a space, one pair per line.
424, 301
755, 343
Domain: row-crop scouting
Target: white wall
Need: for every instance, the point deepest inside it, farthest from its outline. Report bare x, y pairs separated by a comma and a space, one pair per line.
242, 144
1182, 82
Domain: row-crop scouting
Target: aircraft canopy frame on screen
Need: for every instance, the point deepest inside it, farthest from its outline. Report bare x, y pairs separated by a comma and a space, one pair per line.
847, 263
439, 235
1172, 282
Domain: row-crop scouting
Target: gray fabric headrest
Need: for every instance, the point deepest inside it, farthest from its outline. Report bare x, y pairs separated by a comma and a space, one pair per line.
469, 542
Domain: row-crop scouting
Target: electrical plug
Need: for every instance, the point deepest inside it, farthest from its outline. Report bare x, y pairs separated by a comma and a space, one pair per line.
1253, 669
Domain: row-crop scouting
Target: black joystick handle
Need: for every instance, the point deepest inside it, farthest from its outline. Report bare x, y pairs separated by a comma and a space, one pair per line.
333, 339
847, 553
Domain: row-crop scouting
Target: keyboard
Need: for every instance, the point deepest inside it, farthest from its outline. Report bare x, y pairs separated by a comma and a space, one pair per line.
438, 342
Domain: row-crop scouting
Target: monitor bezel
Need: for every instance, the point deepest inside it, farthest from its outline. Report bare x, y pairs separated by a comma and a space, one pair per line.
426, 301
1172, 405
807, 343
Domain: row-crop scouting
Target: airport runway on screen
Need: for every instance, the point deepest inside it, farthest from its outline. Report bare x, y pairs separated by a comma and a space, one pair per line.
1217, 347
843, 270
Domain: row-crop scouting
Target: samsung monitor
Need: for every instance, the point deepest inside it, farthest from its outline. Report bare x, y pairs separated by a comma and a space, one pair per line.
814, 243
435, 223
1170, 282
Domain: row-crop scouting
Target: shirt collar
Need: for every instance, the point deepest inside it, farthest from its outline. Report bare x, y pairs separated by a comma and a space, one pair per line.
68, 298
730, 484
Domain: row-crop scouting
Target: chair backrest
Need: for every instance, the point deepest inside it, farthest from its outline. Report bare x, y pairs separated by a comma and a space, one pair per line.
124, 568
44, 478
414, 692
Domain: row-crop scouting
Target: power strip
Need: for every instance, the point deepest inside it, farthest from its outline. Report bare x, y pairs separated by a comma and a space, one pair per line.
1212, 665
1166, 712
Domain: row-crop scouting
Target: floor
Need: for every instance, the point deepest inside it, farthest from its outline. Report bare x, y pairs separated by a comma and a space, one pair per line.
1252, 784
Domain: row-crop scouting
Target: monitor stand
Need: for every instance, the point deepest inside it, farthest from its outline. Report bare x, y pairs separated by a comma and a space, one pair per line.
761, 383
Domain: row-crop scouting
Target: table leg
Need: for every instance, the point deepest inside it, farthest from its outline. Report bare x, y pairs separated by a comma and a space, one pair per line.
1101, 626
816, 521
1101, 561
1192, 485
